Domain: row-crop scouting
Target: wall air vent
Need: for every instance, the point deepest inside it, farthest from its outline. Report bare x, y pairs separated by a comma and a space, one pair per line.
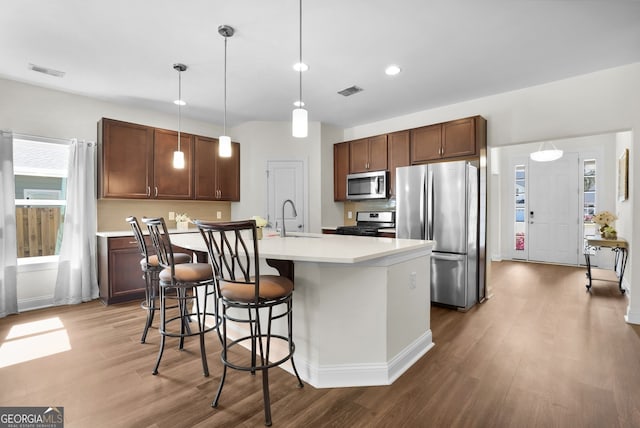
350, 91
45, 70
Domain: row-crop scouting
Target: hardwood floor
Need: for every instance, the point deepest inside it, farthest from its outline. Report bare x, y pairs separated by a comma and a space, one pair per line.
541, 352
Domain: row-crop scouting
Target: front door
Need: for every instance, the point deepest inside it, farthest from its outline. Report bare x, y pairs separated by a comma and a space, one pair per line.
554, 210
285, 180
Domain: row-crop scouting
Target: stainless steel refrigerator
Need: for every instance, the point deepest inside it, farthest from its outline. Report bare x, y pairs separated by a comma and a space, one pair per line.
440, 202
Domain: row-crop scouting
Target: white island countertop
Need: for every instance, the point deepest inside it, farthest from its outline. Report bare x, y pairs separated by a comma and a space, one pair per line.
362, 304
309, 247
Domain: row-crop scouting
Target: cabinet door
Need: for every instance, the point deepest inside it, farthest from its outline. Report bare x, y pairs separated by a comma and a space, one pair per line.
359, 156
205, 164
398, 150
378, 153
169, 182
458, 138
340, 171
426, 143
228, 174
126, 280
126, 160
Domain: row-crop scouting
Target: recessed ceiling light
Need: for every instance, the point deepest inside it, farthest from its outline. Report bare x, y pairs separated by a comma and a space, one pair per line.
392, 70
298, 103
300, 66
180, 102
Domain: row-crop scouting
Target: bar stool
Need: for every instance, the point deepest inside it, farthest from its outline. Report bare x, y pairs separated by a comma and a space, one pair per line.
190, 286
150, 271
235, 261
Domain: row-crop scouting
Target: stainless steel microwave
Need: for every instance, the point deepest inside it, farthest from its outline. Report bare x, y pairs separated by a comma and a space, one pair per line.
367, 185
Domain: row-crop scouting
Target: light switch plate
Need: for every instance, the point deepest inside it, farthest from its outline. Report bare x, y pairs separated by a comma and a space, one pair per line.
172, 215
219, 215
349, 214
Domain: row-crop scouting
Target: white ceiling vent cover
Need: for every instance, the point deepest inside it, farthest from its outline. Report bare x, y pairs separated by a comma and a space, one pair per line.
45, 70
350, 91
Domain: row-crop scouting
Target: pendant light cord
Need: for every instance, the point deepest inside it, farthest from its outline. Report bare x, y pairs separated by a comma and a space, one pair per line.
179, 106
300, 64
225, 86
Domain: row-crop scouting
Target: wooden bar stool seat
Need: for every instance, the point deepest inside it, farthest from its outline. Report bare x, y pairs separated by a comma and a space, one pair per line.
150, 270
188, 287
249, 300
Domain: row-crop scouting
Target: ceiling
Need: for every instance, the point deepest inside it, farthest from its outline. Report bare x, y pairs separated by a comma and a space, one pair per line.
450, 51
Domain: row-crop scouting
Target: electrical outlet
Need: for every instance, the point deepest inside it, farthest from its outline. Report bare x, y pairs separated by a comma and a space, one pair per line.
349, 214
172, 215
219, 215
412, 281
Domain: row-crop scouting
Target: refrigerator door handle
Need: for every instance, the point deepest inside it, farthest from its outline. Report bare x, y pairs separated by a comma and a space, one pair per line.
423, 189
429, 207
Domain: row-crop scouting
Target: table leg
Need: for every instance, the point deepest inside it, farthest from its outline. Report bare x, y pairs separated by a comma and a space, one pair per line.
587, 257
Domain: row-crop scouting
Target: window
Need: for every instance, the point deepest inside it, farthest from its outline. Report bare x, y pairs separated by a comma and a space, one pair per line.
40, 169
520, 207
589, 209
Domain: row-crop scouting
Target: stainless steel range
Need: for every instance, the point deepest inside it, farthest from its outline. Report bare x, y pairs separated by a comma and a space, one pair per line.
369, 222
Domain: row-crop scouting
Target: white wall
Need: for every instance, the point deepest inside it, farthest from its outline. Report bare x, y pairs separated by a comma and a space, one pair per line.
591, 147
36, 111
264, 141
590, 104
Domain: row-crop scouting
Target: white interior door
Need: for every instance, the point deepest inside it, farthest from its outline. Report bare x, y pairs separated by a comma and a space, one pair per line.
285, 180
554, 210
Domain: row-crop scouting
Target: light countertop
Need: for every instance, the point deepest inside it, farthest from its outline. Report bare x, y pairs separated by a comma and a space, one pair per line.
321, 248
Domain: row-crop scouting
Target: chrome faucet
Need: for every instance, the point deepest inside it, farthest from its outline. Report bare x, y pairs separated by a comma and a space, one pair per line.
283, 233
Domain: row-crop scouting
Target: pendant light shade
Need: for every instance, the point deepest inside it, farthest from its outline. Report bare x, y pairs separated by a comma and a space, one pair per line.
299, 124
224, 146
178, 155
178, 160
224, 142
547, 152
300, 117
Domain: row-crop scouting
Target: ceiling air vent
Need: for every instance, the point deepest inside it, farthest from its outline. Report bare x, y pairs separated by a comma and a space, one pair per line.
45, 70
350, 91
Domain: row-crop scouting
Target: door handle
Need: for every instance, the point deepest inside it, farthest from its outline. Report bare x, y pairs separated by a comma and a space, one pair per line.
530, 213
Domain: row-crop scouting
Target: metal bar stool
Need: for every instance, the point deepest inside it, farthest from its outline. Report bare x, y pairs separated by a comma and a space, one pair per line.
233, 254
190, 286
150, 271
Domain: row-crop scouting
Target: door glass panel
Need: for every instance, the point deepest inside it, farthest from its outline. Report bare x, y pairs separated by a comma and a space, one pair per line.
520, 207
589, 228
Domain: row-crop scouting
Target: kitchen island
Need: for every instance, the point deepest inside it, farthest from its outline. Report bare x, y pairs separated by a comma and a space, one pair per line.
361, 304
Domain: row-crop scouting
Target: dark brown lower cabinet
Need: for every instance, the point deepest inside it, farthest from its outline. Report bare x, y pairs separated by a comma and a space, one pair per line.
119, 273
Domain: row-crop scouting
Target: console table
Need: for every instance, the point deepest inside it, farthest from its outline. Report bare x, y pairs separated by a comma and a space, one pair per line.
619, 246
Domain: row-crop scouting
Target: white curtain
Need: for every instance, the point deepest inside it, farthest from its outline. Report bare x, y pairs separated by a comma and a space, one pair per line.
77, 278
8, 243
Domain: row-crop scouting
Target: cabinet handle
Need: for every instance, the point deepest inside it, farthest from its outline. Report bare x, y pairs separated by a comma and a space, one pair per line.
148, 191
156, 191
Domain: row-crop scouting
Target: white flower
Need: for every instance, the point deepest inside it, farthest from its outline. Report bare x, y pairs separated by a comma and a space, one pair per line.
604, 218
182, 217
260, 222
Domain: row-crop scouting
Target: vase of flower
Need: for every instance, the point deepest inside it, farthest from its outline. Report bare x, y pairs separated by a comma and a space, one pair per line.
260, 223
605, 220
182, 221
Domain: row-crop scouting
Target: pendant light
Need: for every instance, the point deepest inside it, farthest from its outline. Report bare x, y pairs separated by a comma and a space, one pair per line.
546, 153
178, 156
299, 123
224, 142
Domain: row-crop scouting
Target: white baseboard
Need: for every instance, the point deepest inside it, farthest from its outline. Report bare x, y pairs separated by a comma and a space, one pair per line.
373, 374
32, 303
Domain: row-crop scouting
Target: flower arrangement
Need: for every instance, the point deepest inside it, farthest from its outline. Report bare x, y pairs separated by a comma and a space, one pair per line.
605, 220
182, 217
260, 223
182, 221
